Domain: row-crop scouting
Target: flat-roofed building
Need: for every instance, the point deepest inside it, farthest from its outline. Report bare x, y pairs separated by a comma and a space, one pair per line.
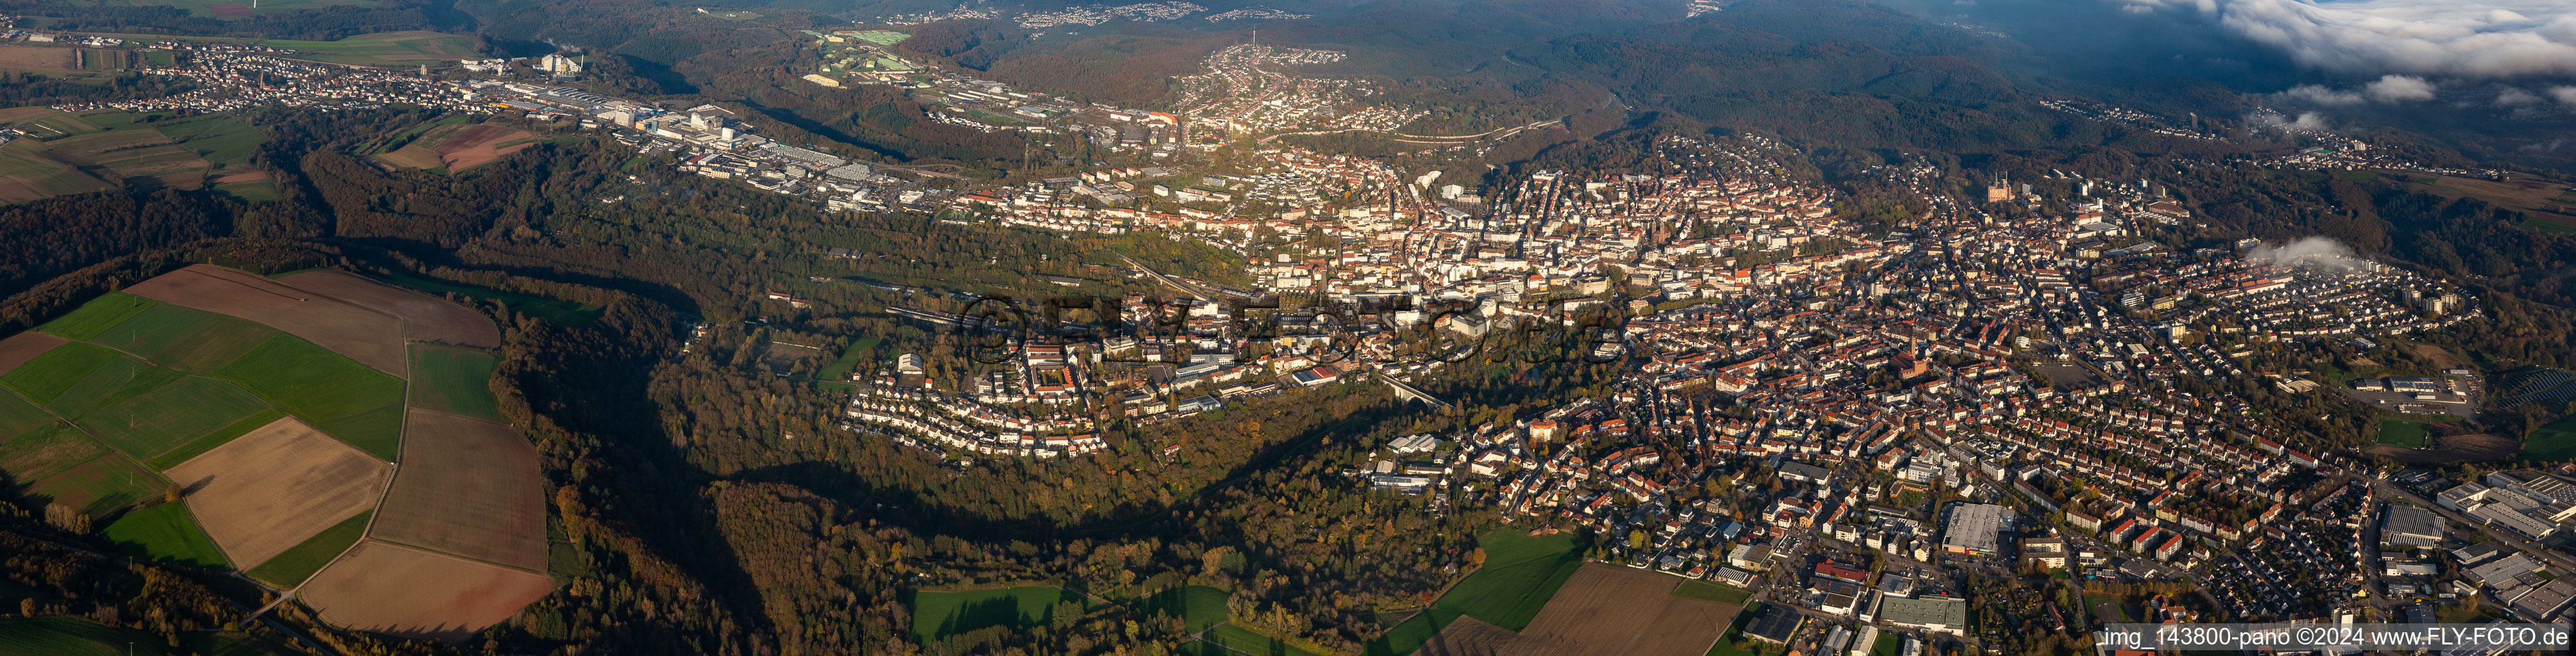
1974, 529
2545, 601
1778, 623
2411, 526
2049, 553
1936, 614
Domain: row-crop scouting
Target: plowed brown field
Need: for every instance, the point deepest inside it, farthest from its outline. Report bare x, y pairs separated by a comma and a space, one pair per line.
425, 318
369, 337
418, 594
467, 487
272, 488
1604, 610
19, 348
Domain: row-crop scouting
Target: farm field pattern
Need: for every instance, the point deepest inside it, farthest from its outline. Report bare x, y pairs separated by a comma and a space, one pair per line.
222, 419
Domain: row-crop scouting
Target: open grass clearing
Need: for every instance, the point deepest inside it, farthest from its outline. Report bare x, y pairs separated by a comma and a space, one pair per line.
453, 380
1197, 606
166, 532
289, 568
860, 350
250, 192
223, 139
1720, 593
937, 615
1733, 642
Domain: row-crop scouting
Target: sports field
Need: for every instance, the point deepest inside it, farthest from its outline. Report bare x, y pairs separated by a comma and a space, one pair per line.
1519, 575
2552, 442
359, 405
290, 567
167, 532
453, 380
937, 615
2399, 432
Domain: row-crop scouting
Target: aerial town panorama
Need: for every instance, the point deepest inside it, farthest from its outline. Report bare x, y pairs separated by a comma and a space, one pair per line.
1437, 327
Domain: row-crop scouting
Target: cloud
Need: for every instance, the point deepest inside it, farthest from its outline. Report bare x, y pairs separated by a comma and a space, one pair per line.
2318, 95
2308, 252
2399, 88
2512, 97
2565, 95
2272, 119
2484, 39
2388, 89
